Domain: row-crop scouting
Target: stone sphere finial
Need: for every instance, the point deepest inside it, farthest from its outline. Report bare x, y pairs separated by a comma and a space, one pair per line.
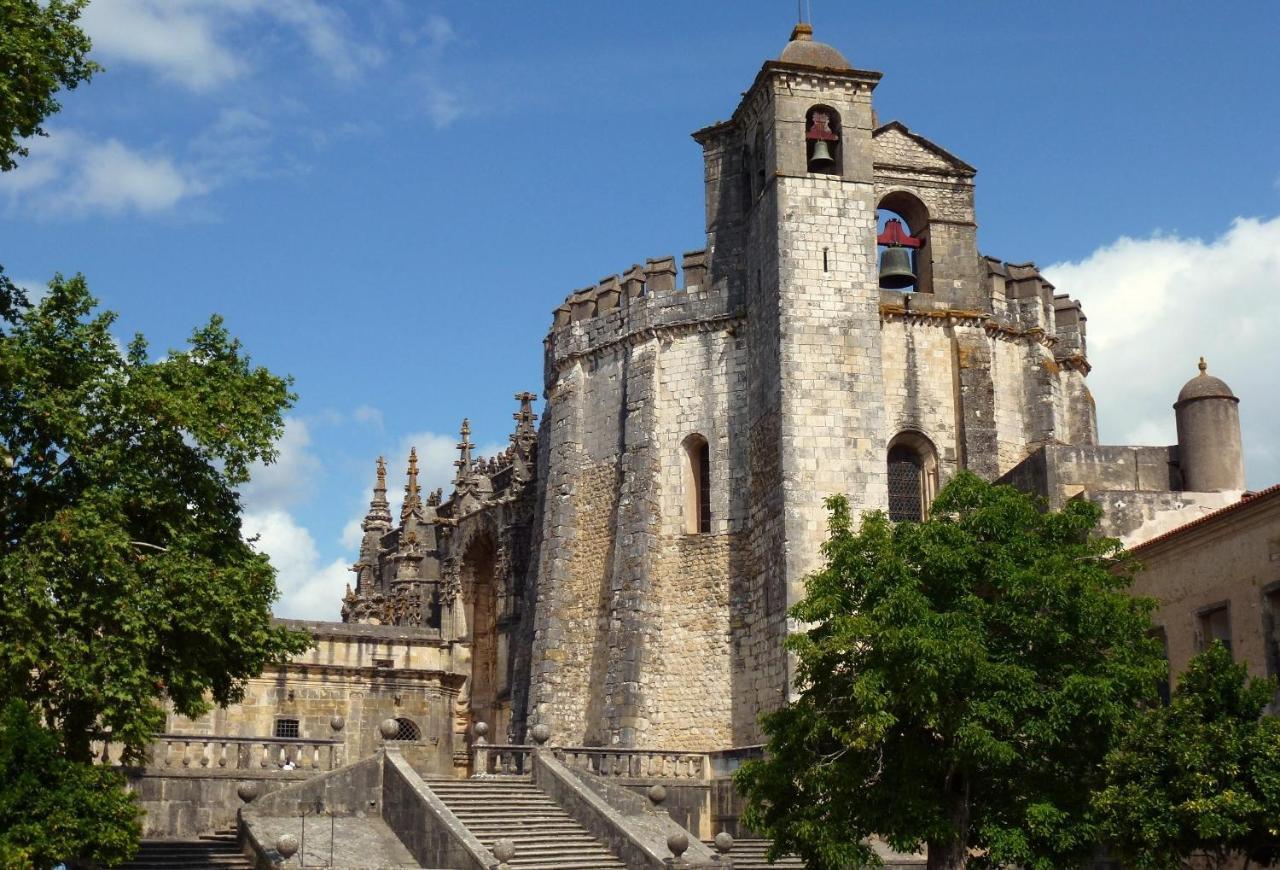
657, 794
247, 791
541, 733
724, 842
336, 722
504, 850
678, 843
389, 728
480, 729
287, 846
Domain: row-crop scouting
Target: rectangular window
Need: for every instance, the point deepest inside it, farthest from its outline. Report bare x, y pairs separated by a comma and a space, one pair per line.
1163, 687
704, 488
287, 728
1271, 628
1215, 624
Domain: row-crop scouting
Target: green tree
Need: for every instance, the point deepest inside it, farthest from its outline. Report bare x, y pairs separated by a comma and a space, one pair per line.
958, 686
42, 50
127, 583
53, 809
1199, 776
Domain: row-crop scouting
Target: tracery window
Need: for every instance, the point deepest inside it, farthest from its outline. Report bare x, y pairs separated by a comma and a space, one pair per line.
913, 477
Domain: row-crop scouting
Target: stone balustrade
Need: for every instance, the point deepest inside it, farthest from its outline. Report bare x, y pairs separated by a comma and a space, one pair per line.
615, 762
222, 752
502, 759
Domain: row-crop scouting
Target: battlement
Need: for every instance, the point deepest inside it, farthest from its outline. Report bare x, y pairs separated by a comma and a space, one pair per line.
642, 297
1021, 296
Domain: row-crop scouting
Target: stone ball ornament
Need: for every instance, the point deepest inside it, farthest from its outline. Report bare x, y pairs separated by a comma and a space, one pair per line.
337, 723
678, 843
480, 730
504, 850
657, 794
724, 842
287, 846
247, 791
389, 728
541, 733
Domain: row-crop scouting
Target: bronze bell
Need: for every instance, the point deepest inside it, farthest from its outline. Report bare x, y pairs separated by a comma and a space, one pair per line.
821, 157
895, 269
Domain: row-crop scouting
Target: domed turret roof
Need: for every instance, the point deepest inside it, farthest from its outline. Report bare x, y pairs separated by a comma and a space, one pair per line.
804, 51
1205, 386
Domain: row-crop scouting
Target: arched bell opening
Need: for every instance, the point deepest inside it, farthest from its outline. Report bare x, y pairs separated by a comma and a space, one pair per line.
902, 226
913, 476
480, 609
823, 141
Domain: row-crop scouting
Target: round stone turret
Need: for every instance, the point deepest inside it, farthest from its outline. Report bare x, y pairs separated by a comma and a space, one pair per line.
1210, 453
804, 51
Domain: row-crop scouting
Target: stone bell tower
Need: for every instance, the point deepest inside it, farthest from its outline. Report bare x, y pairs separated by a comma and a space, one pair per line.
791, 227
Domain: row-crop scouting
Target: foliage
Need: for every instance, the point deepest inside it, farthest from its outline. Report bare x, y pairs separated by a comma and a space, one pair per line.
1201, 775
126, 581
53, 809
42, 50
958, 686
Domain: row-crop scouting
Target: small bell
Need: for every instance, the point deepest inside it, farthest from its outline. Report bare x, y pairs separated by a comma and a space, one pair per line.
821, 157
895, 269
821, 135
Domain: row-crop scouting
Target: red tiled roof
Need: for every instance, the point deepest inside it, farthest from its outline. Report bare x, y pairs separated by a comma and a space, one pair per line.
1247, 499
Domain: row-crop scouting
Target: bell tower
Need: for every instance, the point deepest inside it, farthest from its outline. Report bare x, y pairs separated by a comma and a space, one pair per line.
791, 233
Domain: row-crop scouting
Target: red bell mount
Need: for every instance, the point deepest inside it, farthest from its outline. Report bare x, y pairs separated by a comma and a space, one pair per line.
820, 130
894, 237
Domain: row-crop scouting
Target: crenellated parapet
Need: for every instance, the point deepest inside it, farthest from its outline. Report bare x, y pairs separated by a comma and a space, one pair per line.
639, 303
1022, 299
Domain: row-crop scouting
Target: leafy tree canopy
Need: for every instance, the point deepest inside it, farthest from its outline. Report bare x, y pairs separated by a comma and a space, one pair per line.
126, 580
53, 809
1201, 775
958, 686
42, 50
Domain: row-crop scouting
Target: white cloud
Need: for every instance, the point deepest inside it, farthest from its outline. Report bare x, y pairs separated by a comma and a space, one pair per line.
442, 105
1156, 305
287, 481
199, 44
71, 174
308, 588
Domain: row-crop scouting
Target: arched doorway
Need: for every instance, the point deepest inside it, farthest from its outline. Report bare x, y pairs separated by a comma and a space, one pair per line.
489, 700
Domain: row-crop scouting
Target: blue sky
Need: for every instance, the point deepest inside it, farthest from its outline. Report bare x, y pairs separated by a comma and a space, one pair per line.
386, 199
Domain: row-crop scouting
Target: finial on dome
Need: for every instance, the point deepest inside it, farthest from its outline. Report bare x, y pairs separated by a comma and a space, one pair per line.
1204, 367
803, 31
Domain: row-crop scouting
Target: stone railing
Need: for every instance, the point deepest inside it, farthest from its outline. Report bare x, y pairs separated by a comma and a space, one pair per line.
502, 759
220, 752
615, 762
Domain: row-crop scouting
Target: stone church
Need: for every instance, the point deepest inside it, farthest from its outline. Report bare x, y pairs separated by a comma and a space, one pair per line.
622, 571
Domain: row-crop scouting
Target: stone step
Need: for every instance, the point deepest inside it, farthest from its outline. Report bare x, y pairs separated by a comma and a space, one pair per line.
545, 836
749, 854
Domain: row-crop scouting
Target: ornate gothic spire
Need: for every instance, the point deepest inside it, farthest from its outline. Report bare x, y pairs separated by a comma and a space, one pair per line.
379, 515
465, 478
412, 497
525, 433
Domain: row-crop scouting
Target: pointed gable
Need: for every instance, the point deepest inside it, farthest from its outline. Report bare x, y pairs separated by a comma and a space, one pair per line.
895, 145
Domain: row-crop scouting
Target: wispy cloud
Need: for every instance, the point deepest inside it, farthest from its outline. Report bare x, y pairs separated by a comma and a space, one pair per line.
1157, 304
198, 44
69, 173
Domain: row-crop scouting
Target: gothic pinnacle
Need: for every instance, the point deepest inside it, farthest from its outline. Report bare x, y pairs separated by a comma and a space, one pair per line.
412, 499
379, 515
463, 463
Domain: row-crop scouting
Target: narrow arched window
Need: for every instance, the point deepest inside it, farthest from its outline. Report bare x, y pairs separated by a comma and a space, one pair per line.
697, 485
913, 477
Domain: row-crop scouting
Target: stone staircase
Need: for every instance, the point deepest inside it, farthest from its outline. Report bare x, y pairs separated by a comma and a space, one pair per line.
749, 855
216, 850
545, 836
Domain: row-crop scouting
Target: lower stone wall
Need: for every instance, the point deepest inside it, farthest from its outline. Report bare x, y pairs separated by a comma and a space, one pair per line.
688, 686
185, 804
